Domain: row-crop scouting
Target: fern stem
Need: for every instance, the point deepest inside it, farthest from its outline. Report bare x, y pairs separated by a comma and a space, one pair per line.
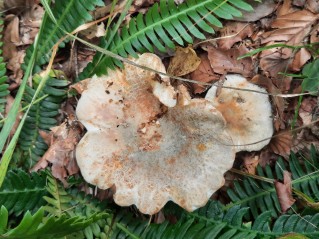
119, 225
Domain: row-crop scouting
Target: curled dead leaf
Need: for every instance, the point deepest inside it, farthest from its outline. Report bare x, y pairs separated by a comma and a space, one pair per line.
62, 141
185, 61
284, 192
225, 61
234, 32
281, 143
204, 73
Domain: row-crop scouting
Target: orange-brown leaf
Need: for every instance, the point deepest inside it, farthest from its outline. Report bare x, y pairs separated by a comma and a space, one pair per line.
185, 61
225, 61
204, 73
284, 192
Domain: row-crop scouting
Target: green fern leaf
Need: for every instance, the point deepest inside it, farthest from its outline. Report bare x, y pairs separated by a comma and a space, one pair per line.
74, 203
69, 15
22, 191
164, 25
41, 117
3, 78
260, 196
37, 226
227, 224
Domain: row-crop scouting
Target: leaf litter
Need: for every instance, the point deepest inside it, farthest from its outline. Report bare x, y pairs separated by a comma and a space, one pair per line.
286, 22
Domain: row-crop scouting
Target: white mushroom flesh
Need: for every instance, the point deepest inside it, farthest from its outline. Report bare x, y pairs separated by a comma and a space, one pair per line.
247, 113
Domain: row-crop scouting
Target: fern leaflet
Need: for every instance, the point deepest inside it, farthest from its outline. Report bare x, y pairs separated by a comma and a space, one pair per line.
22, 191
162, 26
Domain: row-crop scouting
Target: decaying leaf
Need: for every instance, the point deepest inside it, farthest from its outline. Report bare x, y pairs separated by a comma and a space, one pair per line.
225, 61
238, 31
148, 152
280, 103
250, 163
261, 9
281, 143
275, 60
284, 192
204, 73
306, 109
185, 61
62, 141
300, 59
291, 28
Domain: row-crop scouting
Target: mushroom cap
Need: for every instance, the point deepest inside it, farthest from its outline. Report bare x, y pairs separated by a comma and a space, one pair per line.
248, 114
149, 153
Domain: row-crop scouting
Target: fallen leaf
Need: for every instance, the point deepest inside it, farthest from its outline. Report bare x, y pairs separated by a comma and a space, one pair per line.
300, 59
260, 10
291, 28
185, 61
238, 31
280, 103
62, 141
250, 162
299, 3
225, 61
312, 5
203, 73
275, 60
306, 109
284, 192
293, 236
281, 143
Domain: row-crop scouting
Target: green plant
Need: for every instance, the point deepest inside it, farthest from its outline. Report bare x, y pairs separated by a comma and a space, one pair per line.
69, 15
3, 78
41, 117
40, 226
163, 26
260, 195
213, 221
22, 191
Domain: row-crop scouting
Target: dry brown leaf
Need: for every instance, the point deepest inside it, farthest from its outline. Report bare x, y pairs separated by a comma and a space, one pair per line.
306, 109
260, 10
62, 141
185, 61
242, 30
285, 8
275, 60
299, 3
250, 162
300, 59
292, 28
284, 192
312, 5
279, 101
281, 143
203, 73
225, 61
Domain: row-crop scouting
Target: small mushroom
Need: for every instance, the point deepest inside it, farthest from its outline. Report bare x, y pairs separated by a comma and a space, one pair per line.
147, 150
247, 113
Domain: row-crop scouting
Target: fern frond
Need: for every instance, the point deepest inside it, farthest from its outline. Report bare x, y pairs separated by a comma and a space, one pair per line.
3, 78
261, 196
37, 226
22, 191
212, 222
164, 25
74, 203
69, 15
41, 117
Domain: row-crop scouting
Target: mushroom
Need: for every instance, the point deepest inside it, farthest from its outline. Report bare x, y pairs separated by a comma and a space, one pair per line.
147, 147
247, 113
